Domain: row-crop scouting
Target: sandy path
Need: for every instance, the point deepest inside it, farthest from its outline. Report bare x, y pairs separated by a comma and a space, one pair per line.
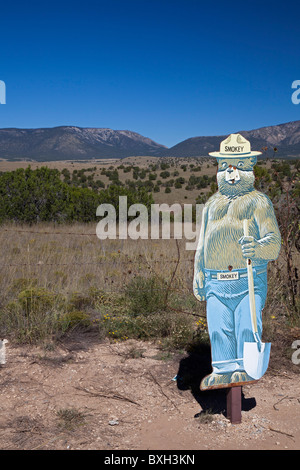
92, 395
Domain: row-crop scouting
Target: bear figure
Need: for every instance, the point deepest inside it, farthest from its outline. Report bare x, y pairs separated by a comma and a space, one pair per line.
220, 269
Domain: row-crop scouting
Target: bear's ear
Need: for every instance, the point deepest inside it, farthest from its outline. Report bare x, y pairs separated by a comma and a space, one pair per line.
253, 160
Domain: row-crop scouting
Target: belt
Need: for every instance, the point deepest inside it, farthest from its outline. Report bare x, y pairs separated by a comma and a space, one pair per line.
212, 274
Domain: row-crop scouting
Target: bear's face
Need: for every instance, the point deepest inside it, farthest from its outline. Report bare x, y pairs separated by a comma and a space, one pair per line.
235, 175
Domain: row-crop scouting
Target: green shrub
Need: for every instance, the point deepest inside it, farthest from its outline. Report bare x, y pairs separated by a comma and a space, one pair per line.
32, 316
36, 299
145, 295
172, 330
22, 283
73, 319
79, 301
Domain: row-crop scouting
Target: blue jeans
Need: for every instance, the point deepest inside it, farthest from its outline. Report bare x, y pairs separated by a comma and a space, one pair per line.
228, 316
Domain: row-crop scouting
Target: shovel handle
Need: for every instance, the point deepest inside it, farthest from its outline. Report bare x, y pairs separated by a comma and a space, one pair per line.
251, 285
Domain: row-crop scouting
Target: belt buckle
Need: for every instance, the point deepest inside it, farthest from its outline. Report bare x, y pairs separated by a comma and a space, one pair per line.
228, 276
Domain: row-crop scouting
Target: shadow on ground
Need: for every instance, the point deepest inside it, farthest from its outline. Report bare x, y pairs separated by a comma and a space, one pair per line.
192, 369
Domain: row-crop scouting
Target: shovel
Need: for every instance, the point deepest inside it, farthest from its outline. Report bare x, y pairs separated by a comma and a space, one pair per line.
256, 354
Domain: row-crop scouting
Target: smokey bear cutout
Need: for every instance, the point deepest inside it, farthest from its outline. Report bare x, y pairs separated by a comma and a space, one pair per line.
221, 274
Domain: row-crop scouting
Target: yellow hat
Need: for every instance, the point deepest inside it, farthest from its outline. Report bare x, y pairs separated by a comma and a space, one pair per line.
235, 146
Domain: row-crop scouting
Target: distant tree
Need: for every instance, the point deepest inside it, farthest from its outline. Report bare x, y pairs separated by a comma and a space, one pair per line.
164, 166
180, 180
262, 177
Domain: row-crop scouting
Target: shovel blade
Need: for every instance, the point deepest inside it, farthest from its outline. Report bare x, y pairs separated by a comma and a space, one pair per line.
256, 361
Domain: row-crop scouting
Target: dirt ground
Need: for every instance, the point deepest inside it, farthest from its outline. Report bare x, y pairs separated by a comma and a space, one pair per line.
88, 394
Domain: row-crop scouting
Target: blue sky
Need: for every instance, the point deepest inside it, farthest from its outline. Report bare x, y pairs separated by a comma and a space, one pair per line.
169, 70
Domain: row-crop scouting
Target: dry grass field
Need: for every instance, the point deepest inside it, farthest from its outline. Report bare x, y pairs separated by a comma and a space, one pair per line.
63, 276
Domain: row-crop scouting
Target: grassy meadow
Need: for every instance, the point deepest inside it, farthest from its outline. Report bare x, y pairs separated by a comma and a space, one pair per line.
58, 277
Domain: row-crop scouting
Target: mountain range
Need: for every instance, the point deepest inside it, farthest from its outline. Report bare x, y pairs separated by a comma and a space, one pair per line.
73, 143
77, 143
284, 137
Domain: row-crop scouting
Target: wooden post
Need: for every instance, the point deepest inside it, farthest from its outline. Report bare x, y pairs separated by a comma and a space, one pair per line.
234, 404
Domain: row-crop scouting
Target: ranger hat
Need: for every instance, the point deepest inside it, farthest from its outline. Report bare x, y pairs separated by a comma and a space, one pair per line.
235, 146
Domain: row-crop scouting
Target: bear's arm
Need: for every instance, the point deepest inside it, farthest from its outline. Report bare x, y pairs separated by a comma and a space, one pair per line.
199, 277
270, 239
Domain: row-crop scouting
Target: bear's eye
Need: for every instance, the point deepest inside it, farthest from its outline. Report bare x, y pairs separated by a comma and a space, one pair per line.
240, 164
